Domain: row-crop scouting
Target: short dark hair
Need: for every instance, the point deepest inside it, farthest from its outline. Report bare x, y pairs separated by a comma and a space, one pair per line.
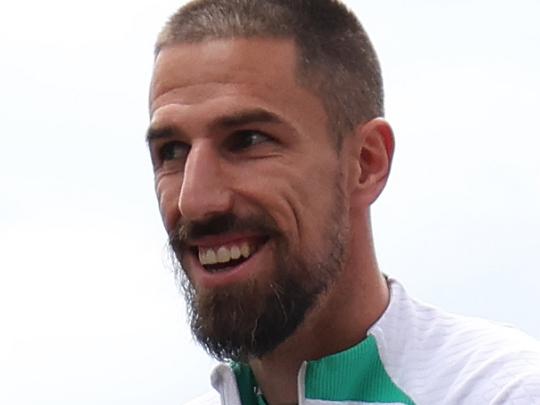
336, 58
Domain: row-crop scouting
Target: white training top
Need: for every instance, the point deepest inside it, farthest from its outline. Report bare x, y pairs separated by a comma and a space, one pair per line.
414, 354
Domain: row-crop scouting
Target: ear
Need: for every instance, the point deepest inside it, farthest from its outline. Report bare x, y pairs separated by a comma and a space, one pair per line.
372, 149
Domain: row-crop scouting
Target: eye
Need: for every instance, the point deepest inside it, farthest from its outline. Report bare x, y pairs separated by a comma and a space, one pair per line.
245, 139
173, 151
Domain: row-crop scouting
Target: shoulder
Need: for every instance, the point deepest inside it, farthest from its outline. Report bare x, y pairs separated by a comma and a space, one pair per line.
210, 398
439, 357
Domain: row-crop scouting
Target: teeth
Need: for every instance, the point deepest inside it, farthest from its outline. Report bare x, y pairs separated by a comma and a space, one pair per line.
235, 252
245, 250
211, 257
207, 257
224, 254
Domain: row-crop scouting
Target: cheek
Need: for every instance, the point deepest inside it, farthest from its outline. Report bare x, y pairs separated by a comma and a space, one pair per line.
298, 207
300, 201
167, 192
317, 195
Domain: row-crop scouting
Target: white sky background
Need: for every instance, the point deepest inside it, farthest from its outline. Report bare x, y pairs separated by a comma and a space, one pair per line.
88, 312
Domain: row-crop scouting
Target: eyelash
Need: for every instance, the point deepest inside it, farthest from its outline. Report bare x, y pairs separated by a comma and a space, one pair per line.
242, 139
166, 152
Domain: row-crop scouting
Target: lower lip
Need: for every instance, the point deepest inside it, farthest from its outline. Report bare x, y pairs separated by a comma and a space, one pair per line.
237, 274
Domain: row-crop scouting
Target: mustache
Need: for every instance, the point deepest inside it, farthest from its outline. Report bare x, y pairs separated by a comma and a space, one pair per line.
221, 224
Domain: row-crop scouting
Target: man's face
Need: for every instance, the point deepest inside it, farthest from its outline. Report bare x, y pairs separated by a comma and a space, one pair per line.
250, 189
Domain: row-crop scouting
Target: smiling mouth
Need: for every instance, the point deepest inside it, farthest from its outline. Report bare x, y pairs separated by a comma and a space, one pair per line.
226, 257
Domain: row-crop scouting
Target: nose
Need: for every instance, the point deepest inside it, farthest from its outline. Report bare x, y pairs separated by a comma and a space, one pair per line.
204, 191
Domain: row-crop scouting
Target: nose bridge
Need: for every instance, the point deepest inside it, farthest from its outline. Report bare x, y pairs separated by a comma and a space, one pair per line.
204, 190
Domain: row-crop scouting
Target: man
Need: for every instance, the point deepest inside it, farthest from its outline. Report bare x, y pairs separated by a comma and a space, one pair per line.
268, 149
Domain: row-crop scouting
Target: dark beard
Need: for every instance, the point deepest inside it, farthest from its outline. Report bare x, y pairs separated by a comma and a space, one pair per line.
252, 319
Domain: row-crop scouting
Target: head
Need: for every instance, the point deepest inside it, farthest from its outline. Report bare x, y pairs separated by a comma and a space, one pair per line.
261, 114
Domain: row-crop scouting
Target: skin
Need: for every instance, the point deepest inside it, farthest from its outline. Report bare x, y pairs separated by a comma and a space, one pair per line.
206, 97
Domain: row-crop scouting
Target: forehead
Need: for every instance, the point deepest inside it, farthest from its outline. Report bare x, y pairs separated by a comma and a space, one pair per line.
193, 68
226, 76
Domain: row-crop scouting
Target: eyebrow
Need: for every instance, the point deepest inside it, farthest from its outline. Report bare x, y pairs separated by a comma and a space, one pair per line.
237, 119
155, 133
257, 115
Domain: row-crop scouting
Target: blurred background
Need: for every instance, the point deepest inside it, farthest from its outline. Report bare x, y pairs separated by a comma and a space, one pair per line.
89, 312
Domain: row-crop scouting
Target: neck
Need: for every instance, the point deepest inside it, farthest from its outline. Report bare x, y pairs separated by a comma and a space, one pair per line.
340, 321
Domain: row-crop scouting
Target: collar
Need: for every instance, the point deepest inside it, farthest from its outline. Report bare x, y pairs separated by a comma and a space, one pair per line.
355, 375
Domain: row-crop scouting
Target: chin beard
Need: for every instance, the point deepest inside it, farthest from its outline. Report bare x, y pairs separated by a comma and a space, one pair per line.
251, 319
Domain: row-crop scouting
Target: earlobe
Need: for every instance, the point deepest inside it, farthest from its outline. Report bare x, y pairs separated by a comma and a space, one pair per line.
374, 152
